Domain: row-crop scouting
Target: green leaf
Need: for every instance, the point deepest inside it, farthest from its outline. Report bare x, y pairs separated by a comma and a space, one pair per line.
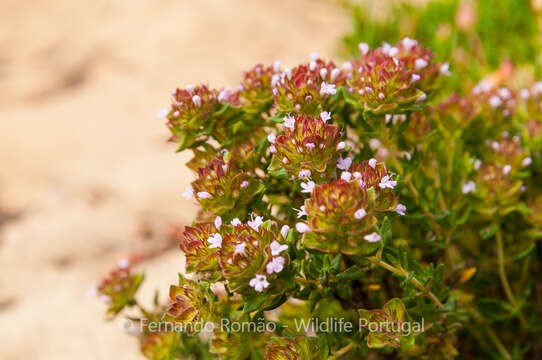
352, 273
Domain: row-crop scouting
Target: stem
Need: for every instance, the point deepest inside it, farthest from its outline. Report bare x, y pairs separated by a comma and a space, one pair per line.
342, 351
491, 334
307, 281
413, 280
504, 280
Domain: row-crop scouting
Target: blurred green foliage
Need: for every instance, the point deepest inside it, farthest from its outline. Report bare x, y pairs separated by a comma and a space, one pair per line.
476, 36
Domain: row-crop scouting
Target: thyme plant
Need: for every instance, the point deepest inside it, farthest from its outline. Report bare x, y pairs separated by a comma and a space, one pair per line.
352, 196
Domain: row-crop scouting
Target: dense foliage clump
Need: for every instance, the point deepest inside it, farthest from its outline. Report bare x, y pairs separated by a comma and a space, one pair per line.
357, 193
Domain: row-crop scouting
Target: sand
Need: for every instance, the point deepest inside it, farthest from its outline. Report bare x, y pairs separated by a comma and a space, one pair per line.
86, 175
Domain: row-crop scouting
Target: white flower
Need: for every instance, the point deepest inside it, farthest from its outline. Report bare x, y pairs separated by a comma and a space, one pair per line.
162, 113
124, 264
468, 187
364, 48
408, 43
215, 240
325, 116
271, 138
524, 94
347, 176
344, 164
312, 65
272, 149
274, 80
504, 93
506, 169
477, 164
323, 73
360, 214
284, 231
310, 146
357, 175
240, 248
415, 77
445, 69
387, 118
244, 184
285, 160
374, 144
400, 209
276, 265
387, 182
218, 222
527, 161
420, 63
224, 94
307, 187
495, 145
255, 222
259, 283
372, 237
204, 195
301, 212
196, 100
289, 122
421, 98
304, 173
334, 73
277, 248
276, 66
372, 163
347, 66
537, 88
328, 89
288, 73
188, 193
341, 145
236, 222
302, 227
495, 101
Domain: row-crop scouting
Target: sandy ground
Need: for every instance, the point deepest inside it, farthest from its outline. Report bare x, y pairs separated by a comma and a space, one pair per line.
86, 175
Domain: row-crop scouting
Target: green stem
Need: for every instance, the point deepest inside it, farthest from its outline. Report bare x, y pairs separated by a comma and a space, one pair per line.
402, 272
342, 351
491, 334
504, 280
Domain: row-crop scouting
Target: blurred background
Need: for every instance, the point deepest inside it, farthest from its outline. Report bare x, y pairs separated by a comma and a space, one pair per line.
87, 177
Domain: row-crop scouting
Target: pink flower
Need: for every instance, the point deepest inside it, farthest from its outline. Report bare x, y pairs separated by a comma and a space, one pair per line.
360, 214
346, 176
308, 187
344, 164
277, 248
400, 209
259, 283
271, 138
196, 100
236, 222
302, 227
372, 237
328, 89
215, 240
276, 265
372, 163
387, 182
204, 195
244, 184
289, 122
364, 48
188, 193
341, 146
240, 248
325, 116
284, 231
218, 222
304, 173
255, 222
